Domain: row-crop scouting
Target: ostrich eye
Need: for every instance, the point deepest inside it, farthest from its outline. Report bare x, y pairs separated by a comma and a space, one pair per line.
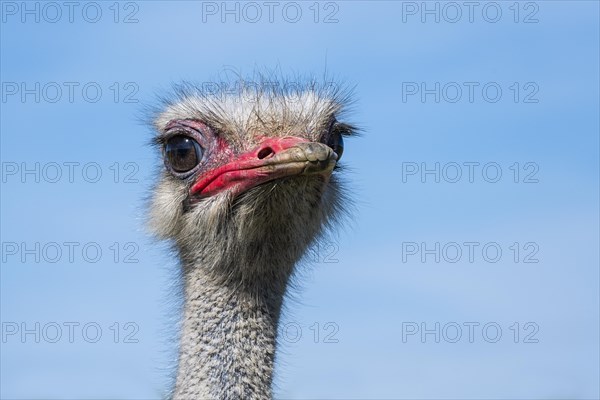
336, 142
182, 153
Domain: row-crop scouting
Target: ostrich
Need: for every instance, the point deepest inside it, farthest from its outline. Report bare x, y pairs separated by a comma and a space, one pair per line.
250, 182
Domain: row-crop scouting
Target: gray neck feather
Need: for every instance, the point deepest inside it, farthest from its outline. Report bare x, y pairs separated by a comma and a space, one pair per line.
236, 263
228, 338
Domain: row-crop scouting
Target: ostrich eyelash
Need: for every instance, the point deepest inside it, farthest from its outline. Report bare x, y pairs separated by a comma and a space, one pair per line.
344, 129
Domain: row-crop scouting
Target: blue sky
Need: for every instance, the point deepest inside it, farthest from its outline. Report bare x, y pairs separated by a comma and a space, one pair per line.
370, 286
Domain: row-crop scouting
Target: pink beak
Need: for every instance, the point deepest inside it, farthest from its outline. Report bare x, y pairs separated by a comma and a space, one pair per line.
274, 158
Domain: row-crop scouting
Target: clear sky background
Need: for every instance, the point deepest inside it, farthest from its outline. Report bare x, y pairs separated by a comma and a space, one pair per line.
351, 330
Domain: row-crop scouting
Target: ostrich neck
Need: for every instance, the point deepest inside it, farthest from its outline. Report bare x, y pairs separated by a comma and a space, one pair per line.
228, 337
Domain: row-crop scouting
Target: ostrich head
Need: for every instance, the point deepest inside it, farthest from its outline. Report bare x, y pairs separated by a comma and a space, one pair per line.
249, 182
250, 176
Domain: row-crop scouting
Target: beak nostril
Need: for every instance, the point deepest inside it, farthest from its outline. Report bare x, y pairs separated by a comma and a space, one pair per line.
265, 152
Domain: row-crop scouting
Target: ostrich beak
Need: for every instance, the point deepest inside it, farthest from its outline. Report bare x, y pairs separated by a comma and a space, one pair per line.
274, 158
